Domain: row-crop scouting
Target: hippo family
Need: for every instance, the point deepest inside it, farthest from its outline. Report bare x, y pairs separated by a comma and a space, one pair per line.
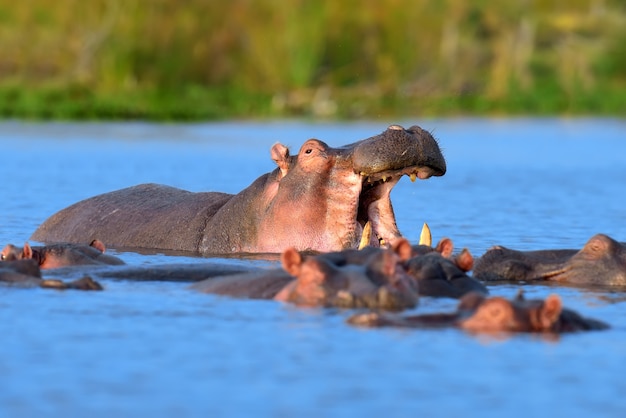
479, 314
319, 199
601, 261
61, 254
328, 213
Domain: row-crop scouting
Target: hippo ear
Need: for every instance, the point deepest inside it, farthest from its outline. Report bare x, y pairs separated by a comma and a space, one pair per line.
551, 311
280, 155
464, 260
402, 247
445, 247
291, 260
27, 252
98, 245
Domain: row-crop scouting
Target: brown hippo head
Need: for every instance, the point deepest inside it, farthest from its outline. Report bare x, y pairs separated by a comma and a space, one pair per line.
479, 314
497, 314
379, 283
602, 261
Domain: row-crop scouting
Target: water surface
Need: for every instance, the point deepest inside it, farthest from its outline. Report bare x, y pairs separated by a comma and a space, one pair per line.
160, 349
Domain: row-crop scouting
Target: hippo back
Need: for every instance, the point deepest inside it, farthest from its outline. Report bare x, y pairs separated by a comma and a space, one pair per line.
164, 216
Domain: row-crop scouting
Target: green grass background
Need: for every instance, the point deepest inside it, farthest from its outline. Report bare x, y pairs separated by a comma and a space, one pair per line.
210, 59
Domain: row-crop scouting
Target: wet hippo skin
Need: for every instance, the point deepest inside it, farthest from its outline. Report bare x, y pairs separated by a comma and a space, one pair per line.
319, 199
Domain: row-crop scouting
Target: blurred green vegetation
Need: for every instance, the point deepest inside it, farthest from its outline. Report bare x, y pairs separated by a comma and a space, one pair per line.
202, 59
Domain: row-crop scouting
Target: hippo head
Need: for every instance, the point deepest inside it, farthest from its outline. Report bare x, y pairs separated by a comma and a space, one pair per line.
11, 253
441, 276
498, 314
601, 261
322, 198
380, 283
479, 314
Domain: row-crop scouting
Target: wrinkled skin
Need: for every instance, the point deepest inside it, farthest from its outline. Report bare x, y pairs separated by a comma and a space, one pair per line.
478, 314
319, 199
26, 273
602, 261
379, 283
61, 254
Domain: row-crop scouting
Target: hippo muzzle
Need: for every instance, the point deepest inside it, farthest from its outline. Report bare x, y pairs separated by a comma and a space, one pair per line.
381, 161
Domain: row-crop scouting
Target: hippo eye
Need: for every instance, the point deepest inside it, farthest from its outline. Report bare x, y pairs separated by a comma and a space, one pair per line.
308, 151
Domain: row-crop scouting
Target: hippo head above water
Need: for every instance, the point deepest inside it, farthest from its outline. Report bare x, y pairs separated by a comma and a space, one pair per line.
319, 199
601, 261
380, 282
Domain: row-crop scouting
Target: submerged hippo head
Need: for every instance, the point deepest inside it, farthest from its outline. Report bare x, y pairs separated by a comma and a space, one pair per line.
602, 261
441, 276
60, 254
479, 314
379, 283
497, 314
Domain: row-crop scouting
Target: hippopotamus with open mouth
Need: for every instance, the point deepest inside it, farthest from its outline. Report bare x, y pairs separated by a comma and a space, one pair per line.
319, 200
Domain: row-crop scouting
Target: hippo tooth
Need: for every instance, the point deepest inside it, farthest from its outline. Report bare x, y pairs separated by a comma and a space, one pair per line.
396, 127
381, 241
413, 176
367, 235
426, 237
384, 179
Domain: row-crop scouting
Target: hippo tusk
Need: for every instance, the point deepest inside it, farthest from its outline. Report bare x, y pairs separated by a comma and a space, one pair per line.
426, 237
367, 235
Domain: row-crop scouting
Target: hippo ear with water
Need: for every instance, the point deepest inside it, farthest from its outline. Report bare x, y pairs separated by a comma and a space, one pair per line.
280, 155
550, 311
445, 247
291, 260
27, 251
464, 260
402, 247
98, 245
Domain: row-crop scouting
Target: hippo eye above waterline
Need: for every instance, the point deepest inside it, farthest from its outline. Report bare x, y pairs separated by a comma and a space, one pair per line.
308, 151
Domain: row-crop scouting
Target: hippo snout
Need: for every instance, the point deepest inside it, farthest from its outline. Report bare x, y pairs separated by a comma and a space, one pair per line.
400, 149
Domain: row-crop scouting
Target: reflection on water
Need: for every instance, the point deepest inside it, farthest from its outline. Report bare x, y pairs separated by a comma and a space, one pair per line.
160, 349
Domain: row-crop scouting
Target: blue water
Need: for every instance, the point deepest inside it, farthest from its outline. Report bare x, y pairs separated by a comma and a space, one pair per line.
163, 350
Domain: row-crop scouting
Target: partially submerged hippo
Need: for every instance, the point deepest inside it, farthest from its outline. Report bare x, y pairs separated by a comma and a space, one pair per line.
379, 282
61, 254
478, 314
436, 271
319, 199
441, 276
602, 261
26, 273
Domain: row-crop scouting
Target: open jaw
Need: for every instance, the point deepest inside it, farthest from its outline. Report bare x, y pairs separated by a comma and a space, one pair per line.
375, 207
